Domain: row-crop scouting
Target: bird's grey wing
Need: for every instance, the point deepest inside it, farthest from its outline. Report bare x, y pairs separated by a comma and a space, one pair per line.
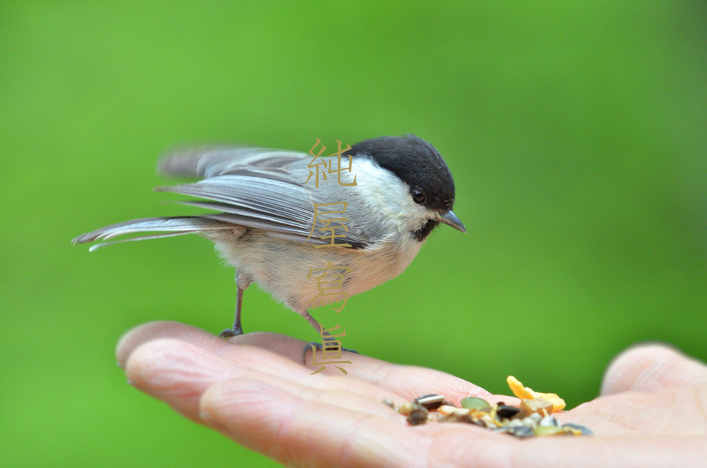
212, 161
251, 187
283, 208
255, 187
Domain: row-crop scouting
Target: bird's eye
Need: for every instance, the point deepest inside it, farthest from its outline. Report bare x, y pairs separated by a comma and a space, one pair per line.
418, 196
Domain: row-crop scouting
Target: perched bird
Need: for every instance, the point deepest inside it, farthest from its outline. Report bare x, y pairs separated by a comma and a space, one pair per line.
376, 202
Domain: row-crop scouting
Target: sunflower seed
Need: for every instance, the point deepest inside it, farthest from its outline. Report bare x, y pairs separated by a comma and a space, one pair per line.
431, 401
508, 412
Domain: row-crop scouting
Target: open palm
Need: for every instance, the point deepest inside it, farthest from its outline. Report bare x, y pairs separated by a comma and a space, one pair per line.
255, 390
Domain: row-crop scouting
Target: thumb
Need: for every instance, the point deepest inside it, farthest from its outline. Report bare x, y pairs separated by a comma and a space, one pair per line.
650, 367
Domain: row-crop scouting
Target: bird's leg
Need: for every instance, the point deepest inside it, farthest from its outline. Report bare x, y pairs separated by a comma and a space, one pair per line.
319, 346
312, 321
237, 327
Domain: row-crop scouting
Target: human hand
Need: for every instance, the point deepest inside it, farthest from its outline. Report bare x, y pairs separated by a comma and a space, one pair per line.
255, 390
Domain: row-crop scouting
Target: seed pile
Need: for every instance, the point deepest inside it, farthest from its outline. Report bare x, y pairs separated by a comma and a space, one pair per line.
532, 418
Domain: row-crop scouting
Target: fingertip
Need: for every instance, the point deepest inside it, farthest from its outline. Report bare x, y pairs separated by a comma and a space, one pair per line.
141, 334
136, 336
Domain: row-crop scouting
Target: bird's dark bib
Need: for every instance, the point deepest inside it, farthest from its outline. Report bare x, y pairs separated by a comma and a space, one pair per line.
422, 233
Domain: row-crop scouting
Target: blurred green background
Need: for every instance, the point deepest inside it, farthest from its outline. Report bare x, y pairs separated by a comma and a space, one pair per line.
576, 133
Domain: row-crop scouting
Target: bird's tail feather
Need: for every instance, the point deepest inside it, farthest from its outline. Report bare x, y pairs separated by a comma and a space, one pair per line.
163, 227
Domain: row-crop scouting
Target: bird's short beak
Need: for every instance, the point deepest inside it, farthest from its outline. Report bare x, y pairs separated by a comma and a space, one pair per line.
451, 219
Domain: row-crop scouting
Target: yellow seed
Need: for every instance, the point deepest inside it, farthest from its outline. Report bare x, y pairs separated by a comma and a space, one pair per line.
519, 390
536, 405
448, 410
406, 408
493, 411
527, 393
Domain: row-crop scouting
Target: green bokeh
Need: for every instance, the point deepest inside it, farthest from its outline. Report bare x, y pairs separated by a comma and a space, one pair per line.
576, 133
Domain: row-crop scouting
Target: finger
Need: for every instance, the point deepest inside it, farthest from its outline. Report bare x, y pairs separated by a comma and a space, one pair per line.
138, 336
176, 372
179, 372
283, 345
407, 381
651, 367
228, 349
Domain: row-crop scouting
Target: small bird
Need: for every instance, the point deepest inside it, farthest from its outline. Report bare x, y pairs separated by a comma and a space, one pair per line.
378, 206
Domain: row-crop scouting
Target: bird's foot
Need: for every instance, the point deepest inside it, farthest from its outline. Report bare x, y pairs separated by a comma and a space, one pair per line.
319, 346
231, 332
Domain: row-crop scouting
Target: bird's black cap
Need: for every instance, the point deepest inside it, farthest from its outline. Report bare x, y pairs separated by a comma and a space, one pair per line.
415, 162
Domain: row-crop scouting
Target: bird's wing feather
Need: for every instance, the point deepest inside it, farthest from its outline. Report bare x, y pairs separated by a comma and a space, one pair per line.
164, 227
180, 224
214, 161
282, 208
252, 187
278, 198
258, 202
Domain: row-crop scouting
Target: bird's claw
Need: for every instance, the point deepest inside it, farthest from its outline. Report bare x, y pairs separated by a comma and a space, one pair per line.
230, 333
319, 347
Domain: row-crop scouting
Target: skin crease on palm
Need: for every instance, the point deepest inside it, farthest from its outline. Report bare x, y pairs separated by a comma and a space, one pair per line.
255, 390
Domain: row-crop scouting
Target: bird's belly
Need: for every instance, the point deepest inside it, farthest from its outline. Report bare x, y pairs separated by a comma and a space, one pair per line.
290, 270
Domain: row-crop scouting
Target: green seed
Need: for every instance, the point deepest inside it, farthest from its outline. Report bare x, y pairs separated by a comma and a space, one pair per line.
548, 431
475, 403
